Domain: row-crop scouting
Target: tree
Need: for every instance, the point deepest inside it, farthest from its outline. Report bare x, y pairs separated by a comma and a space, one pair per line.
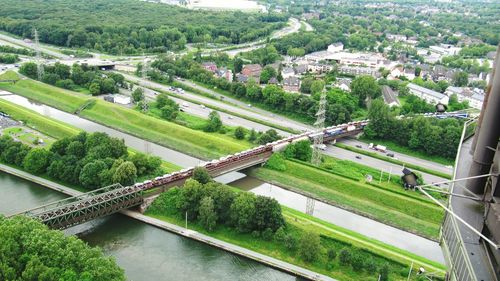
108, 86
310, 246
239, 133
305, 86
214, 122
380, 119
269, 136
331, 254
365, 87
238, 65
243, 212
37, 161
303, 150
138, 95
207, 215
125, 174
201, 175
267, 73
162, 100
170, 111
252, 136
29, 69
95, 88
268, 214
317, 86
90, 175
276, 162
460, 79
30, 251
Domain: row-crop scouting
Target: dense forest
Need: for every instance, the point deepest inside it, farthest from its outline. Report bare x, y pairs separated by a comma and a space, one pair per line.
130, 26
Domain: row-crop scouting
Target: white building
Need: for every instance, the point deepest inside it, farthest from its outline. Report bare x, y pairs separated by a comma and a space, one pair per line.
396, 37
287, 72
474, 97
445, 50
335, 47
428, 95
121, 99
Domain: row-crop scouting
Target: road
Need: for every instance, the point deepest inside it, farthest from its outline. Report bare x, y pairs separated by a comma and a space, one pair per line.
203, 112
243, 110
386, 167
298, 126
43, 49
405, 158
293, 27
308, 27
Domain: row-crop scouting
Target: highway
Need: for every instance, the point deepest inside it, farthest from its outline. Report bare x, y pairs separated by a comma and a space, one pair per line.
43, 48
242, 110
386, 167
405, 158
203, 112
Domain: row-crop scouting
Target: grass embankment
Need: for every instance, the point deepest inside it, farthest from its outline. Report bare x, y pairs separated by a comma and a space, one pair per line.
332, 237
394, 161
196, 143
383, 203
411, 152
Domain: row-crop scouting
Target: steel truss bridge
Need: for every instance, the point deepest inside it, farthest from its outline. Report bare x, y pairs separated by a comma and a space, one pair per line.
108, 200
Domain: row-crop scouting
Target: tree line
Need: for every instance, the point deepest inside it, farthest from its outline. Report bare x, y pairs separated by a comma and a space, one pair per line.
430, 135
30, 251
17, 51
97, 82
132, 27
89, 160
9, 58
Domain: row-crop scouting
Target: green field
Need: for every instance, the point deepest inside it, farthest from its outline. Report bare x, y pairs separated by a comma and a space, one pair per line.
392, 160
402, 209
29, 136
332, 237
196, 143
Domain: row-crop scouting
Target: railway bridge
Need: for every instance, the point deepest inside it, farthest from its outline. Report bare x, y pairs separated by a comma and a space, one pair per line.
108, 200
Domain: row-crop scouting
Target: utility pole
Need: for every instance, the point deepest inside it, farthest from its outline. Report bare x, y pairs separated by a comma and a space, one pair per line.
39, 63
319, 124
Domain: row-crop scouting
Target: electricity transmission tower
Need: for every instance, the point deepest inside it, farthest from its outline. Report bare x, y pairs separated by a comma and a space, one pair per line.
39, 62
320, 124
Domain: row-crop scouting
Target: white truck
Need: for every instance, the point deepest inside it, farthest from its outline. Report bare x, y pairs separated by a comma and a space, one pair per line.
378, 147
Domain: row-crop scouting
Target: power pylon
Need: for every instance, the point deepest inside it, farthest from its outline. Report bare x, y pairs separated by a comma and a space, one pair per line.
319, 124
39, 61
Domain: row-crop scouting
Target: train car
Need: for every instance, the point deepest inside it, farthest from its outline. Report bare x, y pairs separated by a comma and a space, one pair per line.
351, 128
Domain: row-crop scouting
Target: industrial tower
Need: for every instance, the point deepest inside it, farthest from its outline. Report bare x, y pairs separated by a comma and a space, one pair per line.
320, 125
39, 62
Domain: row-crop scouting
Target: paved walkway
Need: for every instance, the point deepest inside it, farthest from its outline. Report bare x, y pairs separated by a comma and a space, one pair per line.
284, 266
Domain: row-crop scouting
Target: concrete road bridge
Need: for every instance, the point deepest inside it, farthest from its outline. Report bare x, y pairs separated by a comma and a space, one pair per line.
108, 200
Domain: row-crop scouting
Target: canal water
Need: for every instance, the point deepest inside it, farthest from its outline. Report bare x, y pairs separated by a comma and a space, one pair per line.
145, 253
338, 216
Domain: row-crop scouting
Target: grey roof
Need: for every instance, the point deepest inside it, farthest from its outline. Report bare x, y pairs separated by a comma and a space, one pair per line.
425, 91
291, 81
288, 70
478, 97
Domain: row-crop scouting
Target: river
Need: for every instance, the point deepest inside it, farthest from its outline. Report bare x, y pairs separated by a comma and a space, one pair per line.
143, 251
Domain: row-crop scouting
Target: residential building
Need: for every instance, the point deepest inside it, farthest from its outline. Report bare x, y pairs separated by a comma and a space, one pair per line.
311, 16
319, 68
428, 95
357, 70
390, 96
252, 70
396, 37
300, 69
475, 97
210, 66
291, 84
343, 84
287, 72
445, 50
225, 73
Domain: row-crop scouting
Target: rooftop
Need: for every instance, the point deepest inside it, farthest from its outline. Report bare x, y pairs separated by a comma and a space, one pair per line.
426, 91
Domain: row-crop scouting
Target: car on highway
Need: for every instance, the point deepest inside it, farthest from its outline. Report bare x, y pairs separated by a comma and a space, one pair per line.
358, 146
185, 104
390, 155
203, 106
358, 157
249, 105
230, 117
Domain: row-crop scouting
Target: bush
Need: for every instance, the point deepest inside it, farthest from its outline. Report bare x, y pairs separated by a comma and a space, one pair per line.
279, 235
239, 133
201, 175
290, 242
370, 265
276, 162
384, 272
310, 246
332, 254
345, 257
267, 234
357, 262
